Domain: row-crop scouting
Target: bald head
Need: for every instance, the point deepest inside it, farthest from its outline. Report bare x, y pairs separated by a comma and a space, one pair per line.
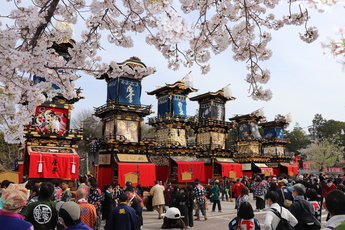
81, 193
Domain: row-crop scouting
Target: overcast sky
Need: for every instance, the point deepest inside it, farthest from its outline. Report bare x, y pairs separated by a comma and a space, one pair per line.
304, 81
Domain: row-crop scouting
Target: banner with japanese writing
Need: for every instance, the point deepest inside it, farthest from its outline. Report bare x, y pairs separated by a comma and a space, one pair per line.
53, 165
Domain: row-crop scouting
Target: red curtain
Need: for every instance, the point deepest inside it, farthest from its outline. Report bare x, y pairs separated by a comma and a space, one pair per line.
104, 177
162, 173
228, 167
146, 173
208, 173
270, 170
195, 167
294, 169
54, 165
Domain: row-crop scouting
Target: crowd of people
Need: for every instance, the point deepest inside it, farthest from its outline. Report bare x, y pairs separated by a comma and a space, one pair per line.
295, 202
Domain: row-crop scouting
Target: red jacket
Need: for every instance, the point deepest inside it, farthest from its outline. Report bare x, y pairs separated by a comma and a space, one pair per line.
237, 188
326, 189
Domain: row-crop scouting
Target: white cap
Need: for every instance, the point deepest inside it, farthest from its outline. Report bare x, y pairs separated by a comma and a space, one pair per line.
173, 213
300, 177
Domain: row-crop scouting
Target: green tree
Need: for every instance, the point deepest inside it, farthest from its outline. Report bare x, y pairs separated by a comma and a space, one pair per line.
325, 152
298, 138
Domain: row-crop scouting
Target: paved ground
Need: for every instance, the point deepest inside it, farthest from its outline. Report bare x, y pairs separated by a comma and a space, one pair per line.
216, 220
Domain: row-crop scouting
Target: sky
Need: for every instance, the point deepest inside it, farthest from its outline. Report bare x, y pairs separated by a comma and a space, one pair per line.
304, 81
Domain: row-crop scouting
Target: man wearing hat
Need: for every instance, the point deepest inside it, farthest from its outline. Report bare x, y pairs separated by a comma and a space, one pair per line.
69, 216
284, 193
122, 217
14, 199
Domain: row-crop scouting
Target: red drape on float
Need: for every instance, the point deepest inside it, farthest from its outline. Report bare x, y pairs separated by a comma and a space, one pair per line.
269, 170
162, 173
228, 167
197, 168
49, 165
146, 173
208, 173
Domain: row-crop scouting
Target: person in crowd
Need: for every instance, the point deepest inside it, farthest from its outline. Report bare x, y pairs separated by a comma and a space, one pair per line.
66, 191
88, 211
108, 202
42, 213
328, 187
245, 218
312, 198
244, 197
34, 194
95, 197
236, 189
168, 194
69, 216
273, 184
182, 204
14, 198
82, 180
4, 185
318, 188
259, 190
300, 207
272, 220
335, 204
174, 195
57, 190
190, 205
123, 217
117, 191
200, 197
172, 220
285, 193
37, 182
216, 198
302, 181
139, 190
245, 181
135, 204
225, 188
158, 198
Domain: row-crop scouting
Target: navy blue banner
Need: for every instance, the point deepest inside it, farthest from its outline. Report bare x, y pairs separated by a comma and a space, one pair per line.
163, 105
125, 90
275, 132
179, 104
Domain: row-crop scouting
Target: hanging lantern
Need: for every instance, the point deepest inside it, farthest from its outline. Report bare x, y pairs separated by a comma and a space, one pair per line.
40, 165
288, 118
188, 80
73, 165
227, 91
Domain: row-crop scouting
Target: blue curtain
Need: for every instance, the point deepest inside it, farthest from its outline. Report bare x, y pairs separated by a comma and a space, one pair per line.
179, 104
125, 90
163, 105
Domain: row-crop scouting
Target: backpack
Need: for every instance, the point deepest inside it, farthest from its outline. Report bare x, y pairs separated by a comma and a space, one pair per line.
283, 224
311, 223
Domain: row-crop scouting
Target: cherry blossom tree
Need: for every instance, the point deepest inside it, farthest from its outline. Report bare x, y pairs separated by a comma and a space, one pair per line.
34, 44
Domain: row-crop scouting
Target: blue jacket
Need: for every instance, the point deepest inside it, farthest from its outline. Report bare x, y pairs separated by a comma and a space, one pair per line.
80, 226
122, 217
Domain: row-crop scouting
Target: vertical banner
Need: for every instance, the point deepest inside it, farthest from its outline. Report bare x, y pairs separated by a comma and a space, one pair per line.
179, 104
163, 105
125, 90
